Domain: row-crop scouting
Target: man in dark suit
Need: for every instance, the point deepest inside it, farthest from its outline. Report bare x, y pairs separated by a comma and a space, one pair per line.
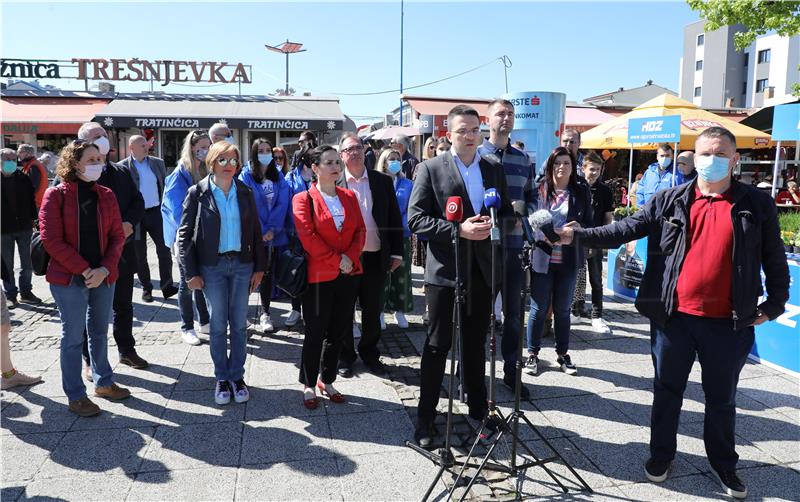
148, 174
383, 251
459, 172
131, 207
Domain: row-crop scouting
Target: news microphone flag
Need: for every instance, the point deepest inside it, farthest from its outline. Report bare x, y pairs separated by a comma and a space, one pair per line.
454, 210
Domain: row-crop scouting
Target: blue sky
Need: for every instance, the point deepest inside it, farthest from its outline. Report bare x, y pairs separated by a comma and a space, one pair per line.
582, 49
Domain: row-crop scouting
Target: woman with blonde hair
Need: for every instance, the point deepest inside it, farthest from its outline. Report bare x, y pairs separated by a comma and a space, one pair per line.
429, 151
222, 253
191, 169
397, 292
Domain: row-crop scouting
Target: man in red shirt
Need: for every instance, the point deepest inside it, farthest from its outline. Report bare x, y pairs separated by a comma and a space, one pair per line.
790, 196
708, 241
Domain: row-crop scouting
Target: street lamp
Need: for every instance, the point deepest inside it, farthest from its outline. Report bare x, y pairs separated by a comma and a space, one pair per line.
286, 48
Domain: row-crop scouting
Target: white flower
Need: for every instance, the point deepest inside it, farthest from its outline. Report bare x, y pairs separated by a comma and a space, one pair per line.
108, 122
331, 125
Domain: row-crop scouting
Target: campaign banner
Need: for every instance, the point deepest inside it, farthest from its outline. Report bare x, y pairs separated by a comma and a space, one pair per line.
778, 341
665, 129
538, 122
786, 122
625, 268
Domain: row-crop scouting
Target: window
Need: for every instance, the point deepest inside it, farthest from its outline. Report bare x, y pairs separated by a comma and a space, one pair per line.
698, 91
701, 39
746, 59
698, 65
761, 85
763, 56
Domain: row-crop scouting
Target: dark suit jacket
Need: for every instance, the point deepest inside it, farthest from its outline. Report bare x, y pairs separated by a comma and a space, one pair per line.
156, 165
386, 213
437, 179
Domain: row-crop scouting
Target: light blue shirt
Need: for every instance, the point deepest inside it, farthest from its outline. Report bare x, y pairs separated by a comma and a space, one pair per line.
148, 184
473, 181
230, 226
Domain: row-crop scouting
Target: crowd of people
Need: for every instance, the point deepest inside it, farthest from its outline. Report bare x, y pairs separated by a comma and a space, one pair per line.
361, 215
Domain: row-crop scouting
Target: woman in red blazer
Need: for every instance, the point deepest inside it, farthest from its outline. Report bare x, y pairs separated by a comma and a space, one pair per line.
81, 230
329, 225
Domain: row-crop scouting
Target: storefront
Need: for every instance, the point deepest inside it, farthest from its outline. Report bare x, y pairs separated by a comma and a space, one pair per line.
169, 118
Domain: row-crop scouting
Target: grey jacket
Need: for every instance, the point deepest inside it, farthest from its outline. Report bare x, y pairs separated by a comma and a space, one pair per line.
156, 165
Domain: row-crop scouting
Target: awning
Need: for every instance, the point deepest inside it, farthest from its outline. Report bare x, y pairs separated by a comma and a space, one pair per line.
47, 115
294, 114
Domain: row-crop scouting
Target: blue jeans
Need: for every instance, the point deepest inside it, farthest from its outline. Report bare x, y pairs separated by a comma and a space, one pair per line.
722, 353
188, 307
512, 287
82, 309
227, 289
559, 284
22, 239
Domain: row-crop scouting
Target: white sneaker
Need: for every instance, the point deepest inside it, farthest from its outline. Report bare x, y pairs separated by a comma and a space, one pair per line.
294, 318
205, 328
600, 326
190, 337
383, 322
265, 324
356, 331
402, 322
574, 319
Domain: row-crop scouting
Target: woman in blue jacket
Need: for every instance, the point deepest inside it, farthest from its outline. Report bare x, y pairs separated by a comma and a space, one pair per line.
273, 197
299, 180
398, 283
191, 169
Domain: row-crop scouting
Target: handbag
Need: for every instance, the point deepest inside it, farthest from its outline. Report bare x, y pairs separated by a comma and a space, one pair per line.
40, 259
291, 267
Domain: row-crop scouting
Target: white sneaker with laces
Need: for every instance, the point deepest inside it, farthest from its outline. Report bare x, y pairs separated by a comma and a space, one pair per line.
205, 328
356, 331
294, 318
600, 326
402, 322
383, 322
574, 319
265, 324
189, 337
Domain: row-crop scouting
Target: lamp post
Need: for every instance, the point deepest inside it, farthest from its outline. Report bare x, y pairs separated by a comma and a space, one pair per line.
286, 48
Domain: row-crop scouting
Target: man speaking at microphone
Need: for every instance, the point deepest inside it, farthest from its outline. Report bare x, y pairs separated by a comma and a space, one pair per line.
460, 172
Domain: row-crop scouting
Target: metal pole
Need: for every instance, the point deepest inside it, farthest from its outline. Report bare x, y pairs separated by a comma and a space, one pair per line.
674, 164
775, 169
630, 175
401, 61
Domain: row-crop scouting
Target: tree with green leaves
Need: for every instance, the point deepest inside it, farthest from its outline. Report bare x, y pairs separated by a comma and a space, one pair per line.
757, 16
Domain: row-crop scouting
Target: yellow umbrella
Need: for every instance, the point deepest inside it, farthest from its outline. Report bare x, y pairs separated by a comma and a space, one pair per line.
614, 133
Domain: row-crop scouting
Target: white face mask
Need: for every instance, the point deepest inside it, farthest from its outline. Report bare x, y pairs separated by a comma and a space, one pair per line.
92, 172
102, 144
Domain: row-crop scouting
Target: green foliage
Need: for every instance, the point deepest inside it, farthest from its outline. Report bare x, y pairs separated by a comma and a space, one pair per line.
789, 221
757, 16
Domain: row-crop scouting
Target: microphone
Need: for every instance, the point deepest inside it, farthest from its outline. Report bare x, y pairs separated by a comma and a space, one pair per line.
542, 220
519, 212
491, 201
454, 209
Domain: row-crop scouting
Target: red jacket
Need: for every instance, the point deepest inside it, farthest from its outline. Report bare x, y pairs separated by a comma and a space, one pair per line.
60, 233
323, 244
32, 163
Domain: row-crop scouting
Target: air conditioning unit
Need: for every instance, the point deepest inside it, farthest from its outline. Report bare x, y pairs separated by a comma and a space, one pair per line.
769, 92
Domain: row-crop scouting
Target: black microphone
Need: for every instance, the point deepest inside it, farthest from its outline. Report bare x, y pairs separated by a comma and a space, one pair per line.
491, 200
520, 211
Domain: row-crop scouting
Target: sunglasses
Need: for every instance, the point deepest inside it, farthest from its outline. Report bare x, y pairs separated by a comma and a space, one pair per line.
279, 159
224, 162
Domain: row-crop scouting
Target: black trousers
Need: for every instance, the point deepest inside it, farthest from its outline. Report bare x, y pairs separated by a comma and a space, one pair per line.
474, 322
123, 305
594, 266
369, 294
328, 315
152, 224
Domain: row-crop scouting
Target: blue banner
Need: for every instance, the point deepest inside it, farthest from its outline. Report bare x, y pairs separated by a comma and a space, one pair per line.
778, 341
786, 122
655, 129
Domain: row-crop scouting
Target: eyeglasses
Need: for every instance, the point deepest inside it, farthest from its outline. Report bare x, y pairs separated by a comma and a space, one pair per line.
468, 132
353, 149
224, 162
197, 136
279, 159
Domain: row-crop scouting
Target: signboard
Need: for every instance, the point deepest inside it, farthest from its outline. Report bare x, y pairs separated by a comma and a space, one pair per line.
206, 122
666, 129
425, 124
538, 122
786, 122
39, 128
778, 341
128, 70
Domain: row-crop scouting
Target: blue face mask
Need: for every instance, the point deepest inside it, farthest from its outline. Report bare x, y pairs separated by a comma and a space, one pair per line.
230, 140
664, 162
264, 158
711, 168
394, 166
9, 166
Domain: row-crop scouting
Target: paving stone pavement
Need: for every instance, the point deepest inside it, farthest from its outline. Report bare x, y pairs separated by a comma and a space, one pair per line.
171, 442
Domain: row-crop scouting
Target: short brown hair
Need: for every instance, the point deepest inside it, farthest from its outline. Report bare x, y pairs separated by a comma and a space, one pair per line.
67, 165
591, 157
462, 111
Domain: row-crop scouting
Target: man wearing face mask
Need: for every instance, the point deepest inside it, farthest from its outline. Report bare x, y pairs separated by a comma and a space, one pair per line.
685, 165
148, 173
131, 208
221, 132
18, 214
658, 175
708, 241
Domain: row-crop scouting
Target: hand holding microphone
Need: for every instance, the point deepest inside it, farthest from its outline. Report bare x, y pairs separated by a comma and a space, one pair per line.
475, 228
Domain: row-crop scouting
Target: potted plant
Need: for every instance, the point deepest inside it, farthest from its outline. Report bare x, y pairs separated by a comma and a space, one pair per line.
788, 239
624, 211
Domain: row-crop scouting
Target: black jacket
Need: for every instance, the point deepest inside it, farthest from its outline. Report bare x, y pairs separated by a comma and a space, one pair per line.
131, 204
664, 220
386, 213
18, 203
198, 234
